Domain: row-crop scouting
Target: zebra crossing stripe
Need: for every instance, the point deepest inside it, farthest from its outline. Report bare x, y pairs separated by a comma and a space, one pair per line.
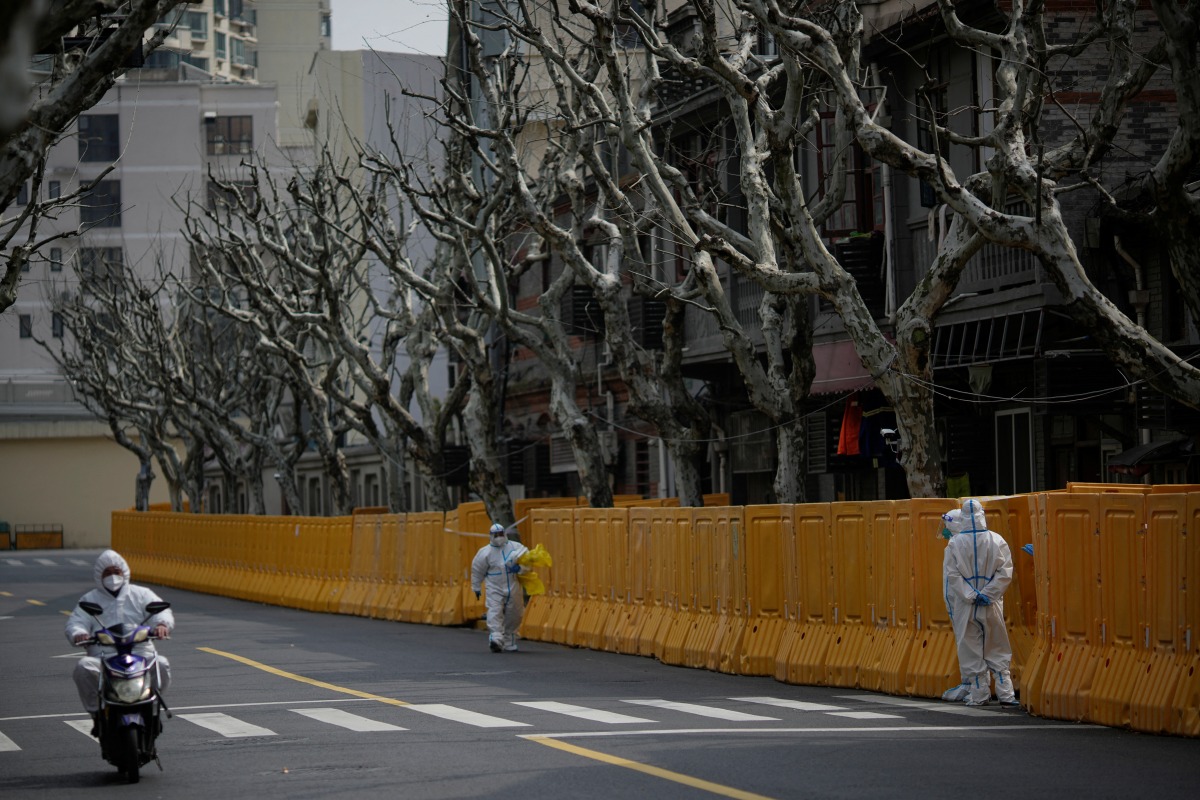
925, 705
863, 715
344, 719
79, 562
7, 744
704, 711
84, 726
455, 714
796, 705
593, 714
227, 726
45, 562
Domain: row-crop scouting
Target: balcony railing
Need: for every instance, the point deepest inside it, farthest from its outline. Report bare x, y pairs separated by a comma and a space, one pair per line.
994, 267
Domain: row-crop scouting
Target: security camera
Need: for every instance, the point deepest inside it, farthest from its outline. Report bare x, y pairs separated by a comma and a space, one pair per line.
891, 438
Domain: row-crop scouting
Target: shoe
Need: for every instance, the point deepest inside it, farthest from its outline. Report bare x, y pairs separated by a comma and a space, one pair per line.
494, 645
1013, 703
510, 648
976, 703
95, 732
956, 694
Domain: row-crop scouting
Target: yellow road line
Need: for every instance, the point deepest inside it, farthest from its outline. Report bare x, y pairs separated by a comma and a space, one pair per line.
310, 681
35, 602
658, 772
5, 594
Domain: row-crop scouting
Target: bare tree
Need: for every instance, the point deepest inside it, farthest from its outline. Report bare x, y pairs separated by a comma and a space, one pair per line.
113, 353
84, 46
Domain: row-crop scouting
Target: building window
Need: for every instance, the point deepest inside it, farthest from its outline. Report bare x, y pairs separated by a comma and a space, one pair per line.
100, 266
101, 206
56, 259
219, 197
98, 140
220, 45
230, 135
26, 325
199, 62
162, 59
326, 26
1014, 451
54, 190
219, 7
56, 325
237, 51
198, 22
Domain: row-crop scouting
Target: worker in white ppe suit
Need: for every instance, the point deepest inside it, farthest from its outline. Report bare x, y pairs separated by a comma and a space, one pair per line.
122, 602
496, 563
976, 569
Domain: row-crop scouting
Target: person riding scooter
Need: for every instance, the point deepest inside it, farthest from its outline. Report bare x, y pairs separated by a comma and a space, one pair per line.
121, 602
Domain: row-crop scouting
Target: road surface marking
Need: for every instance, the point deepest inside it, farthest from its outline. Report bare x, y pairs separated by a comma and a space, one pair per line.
926, 705
593, 714
79, 562
7, 744
658, 772
344, 719
45, 562
227, 726
35, 602
863, 715
310, 681
703, 711
84, 726
798, 705
456, 714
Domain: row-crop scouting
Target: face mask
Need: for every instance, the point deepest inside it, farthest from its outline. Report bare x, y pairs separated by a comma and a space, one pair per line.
113, 582
499, 541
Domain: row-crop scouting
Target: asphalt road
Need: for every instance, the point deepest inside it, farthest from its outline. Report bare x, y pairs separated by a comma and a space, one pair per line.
278, 703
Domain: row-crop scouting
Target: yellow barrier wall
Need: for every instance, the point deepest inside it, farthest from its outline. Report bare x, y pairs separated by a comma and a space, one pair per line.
1103, 616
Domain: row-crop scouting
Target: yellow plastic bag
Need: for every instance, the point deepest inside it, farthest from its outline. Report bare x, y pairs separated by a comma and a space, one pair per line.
536, 557
531, 583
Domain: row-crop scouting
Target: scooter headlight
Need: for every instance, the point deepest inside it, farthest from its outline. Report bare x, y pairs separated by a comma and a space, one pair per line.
130, 690
104, 638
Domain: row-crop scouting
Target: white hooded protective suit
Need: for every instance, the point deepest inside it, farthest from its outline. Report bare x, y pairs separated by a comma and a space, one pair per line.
976, 569
496, 563
127, 605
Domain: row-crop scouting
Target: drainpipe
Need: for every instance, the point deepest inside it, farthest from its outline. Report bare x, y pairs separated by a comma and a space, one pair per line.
1140, 298
889, 233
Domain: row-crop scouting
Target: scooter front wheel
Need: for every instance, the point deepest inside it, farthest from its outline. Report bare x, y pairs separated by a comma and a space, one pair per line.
127, 763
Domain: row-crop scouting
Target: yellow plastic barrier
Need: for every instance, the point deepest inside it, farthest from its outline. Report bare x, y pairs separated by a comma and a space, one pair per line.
1123, 650
853, 591
1072, 522
1103, 617
808, 583
769, 538
933, 661
1186, 703
705, 560
888, 630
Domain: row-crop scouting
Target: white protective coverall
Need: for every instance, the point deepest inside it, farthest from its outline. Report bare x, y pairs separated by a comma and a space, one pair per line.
127, 605
497, 563
976, 569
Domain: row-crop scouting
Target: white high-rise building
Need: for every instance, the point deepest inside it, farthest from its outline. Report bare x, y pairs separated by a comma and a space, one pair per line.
236, 77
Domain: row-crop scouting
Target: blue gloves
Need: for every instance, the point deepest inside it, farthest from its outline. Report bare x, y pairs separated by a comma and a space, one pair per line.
982, 600
1028, 549
513, 568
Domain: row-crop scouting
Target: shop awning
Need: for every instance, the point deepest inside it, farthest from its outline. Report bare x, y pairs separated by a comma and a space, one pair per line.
838, 368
